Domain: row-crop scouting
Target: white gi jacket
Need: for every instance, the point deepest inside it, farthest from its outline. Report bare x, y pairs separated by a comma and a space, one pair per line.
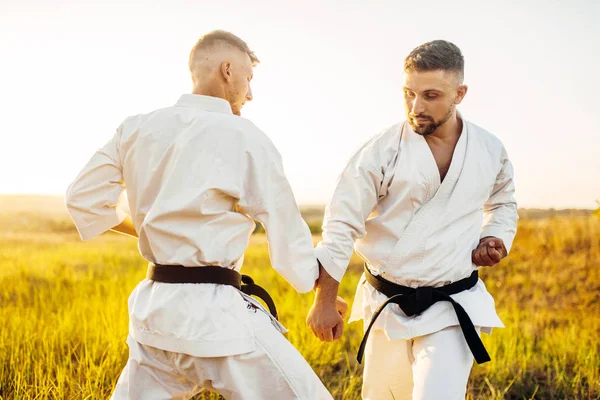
415, 230
196, 175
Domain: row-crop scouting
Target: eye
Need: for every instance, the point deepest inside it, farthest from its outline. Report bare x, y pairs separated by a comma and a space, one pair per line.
432, 96
408, 93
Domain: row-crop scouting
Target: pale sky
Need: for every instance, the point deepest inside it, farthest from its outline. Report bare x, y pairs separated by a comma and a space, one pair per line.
330, 78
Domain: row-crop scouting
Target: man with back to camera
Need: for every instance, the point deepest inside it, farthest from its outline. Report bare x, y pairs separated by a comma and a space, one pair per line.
196, 176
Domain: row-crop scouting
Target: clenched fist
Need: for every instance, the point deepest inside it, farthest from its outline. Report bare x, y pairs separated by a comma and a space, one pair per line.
326, 319
489, 252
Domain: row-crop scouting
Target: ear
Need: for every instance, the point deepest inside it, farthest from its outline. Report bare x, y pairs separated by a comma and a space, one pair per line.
226, 70
461, 92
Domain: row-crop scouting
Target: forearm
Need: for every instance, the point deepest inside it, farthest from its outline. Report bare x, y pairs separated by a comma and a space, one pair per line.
326, 287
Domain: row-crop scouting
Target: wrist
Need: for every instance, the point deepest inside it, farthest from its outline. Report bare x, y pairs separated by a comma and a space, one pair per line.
326, 288
325, 297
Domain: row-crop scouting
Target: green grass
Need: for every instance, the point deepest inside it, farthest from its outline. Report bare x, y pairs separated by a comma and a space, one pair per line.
63, 313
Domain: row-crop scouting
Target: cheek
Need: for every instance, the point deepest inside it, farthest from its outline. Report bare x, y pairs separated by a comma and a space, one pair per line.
242, 88
237, 87
439, 108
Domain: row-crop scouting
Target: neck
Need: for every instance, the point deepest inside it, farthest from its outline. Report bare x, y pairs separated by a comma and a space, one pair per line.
449, 132
207, 89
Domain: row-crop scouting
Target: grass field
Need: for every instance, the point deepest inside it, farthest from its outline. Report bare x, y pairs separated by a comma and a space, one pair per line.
63, 310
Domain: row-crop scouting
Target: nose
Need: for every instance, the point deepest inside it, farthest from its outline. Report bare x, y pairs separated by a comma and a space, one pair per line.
418, 106
249, 94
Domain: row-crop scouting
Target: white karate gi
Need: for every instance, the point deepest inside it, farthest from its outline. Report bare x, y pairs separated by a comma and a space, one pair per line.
416, 231
196, 177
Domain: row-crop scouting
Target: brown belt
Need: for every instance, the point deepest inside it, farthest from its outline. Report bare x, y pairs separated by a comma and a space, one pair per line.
210, 274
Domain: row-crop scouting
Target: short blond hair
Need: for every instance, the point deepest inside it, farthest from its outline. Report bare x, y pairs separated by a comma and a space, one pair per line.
210, 39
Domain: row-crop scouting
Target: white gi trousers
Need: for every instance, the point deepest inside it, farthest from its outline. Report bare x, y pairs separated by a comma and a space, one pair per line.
430, 367
275, 370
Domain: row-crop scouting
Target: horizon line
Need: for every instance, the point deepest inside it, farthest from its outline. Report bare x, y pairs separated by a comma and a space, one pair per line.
301, 204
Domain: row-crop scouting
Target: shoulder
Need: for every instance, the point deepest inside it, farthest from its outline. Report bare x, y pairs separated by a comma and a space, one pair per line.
132, 121
130, 125
246, 128
385, 140
389, 136
488, 139
378, 150
251, 135
489, 144
248, 138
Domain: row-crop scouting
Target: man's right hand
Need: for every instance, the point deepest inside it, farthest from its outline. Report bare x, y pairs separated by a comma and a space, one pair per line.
325, 317
325, 321
341, 306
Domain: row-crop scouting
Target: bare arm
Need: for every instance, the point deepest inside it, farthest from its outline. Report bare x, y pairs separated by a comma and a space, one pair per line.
326, 287
325, 317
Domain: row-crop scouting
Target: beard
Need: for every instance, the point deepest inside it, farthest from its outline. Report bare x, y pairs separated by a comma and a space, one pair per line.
429, 127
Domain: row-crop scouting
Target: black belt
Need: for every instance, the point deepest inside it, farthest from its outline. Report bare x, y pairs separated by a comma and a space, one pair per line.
413, 301
210, 274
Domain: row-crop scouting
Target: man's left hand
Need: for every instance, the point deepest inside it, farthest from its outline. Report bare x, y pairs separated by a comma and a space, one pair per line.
490, 251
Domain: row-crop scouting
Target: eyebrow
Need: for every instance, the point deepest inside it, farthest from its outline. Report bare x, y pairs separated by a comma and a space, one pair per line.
425, 91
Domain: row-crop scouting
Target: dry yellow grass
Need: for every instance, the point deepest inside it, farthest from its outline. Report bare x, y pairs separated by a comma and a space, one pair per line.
63, 307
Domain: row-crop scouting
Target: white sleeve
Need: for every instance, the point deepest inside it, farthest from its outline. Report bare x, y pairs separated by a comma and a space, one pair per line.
500, 210
267, 197
358, 190
93, 198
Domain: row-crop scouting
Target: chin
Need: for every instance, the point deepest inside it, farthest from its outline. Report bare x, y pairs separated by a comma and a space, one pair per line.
423, 130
